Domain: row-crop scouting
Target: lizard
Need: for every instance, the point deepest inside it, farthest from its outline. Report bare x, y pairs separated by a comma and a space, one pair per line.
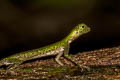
58, 49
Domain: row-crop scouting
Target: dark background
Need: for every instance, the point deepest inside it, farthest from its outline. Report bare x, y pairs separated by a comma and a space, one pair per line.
30, 24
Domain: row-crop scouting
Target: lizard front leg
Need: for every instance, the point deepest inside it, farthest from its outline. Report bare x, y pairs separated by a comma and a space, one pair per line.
66, 54
58, 57
66, 51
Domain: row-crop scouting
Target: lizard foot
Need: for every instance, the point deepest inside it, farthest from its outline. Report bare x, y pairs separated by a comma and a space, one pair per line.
13, 73
83, 68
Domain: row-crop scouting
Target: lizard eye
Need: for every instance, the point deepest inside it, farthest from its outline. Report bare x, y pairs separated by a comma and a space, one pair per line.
82, 26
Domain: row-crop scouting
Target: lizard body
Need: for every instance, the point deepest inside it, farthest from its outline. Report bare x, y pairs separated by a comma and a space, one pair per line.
58, 49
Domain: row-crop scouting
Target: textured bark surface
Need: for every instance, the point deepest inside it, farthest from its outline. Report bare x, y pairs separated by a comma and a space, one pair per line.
104, 65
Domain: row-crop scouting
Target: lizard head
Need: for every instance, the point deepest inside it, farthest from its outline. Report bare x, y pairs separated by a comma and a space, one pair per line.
80, 29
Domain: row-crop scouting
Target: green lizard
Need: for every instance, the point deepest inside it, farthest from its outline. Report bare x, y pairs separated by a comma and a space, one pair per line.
59, 48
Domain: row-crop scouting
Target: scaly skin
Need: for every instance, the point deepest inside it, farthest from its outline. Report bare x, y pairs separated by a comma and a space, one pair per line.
58, 49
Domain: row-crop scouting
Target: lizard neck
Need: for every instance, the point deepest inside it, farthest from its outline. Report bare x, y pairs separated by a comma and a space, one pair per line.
70, 38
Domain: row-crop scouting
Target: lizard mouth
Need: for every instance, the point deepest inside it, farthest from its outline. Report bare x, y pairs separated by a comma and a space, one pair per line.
87, 30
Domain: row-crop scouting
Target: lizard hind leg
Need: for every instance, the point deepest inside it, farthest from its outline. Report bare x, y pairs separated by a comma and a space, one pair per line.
12, 67
5, 63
